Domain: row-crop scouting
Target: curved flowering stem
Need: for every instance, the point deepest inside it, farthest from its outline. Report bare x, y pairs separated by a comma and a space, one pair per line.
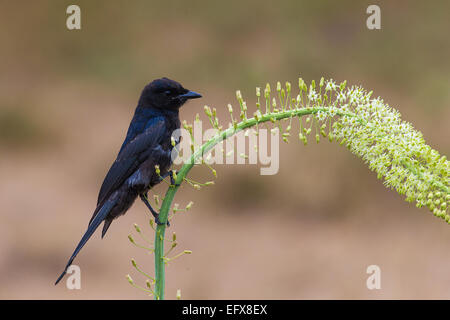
368, 127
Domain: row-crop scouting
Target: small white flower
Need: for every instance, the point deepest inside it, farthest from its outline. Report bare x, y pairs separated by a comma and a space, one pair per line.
341, 97
331, 85
321, 116
312, 96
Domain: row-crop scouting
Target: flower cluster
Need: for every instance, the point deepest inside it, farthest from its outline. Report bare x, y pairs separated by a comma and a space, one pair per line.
370, 128
373, 130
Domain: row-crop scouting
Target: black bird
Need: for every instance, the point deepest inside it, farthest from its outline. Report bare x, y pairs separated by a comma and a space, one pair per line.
148, 143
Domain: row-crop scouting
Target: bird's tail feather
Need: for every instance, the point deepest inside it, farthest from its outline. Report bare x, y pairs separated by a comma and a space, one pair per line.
106, 226
93, 225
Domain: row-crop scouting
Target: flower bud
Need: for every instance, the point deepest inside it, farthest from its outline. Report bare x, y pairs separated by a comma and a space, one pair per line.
129, 279
189, 205
238, 94
301, 84
267, 91
207, 111
288, 87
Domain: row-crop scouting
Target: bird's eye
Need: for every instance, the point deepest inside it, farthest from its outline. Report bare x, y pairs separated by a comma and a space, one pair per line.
168, 92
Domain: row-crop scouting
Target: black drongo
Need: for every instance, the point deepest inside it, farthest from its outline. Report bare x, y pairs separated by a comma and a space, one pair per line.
148, 143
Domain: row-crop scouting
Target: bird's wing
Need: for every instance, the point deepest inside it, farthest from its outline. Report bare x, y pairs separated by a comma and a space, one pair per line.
131, 156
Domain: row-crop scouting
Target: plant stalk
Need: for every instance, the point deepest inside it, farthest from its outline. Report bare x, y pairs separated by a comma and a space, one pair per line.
170, 194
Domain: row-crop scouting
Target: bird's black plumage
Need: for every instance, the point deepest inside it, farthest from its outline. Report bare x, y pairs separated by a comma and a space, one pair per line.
147, 143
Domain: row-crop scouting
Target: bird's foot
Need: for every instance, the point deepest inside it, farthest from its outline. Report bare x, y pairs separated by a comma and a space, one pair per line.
159, 222
153, 211
172, 179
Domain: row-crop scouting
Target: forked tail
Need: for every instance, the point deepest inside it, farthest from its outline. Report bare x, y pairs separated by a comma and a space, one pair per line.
93, 225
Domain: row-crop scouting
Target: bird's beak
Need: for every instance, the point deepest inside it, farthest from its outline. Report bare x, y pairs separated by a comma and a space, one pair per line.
190, 95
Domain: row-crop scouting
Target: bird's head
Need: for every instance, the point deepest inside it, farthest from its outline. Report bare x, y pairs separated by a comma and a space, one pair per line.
165, 94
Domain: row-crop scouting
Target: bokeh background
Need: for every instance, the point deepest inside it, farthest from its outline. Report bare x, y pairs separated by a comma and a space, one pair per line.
309, 232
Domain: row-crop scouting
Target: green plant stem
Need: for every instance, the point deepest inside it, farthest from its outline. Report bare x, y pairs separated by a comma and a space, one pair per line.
223, 135
417, 171
170, 194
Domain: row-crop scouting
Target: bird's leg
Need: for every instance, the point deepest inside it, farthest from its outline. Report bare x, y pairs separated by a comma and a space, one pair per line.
161, 178
154, 213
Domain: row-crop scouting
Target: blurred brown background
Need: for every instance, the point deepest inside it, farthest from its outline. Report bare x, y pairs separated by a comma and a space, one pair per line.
66, 98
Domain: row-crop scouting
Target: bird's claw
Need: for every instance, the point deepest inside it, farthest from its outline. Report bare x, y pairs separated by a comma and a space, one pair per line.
158, 222
172, 180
